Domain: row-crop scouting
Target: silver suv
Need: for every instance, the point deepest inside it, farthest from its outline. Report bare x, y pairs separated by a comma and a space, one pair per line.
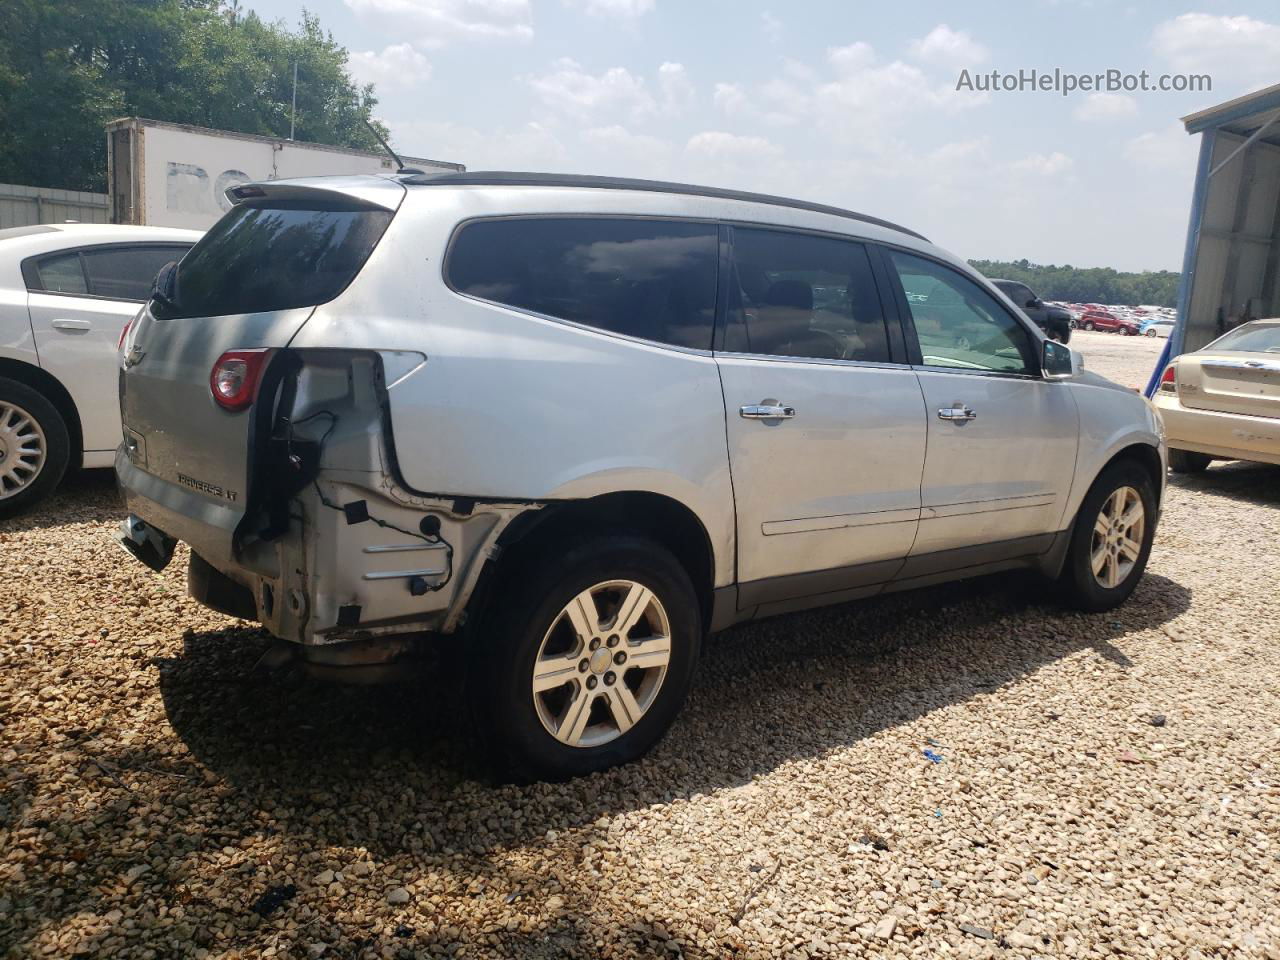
575, 424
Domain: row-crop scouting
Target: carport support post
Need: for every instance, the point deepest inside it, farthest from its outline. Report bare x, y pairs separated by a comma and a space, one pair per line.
1177, 338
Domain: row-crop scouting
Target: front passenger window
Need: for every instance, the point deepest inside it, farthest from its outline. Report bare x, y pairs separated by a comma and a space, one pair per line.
958, 324
799, 295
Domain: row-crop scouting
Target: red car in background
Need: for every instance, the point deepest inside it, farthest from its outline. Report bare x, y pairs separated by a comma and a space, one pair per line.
1109, 322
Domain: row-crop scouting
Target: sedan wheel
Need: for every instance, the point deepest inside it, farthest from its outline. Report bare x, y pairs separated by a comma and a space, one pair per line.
1117, 537
34, 447
23, 449
601, 663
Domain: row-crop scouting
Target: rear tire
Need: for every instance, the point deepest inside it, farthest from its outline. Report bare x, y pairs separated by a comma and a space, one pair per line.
35, 447
544, 706
1111, 539
1187, 461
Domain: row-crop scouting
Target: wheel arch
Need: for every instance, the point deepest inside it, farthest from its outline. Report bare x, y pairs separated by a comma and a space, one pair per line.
51, 388
1147, 457
659, 517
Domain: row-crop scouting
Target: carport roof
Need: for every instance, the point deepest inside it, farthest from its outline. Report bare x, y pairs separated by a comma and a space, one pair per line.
1242, 115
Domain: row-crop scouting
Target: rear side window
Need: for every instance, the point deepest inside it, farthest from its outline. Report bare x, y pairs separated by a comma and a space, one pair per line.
1255, 338
62, 274
126, 273
259, 258
653, 279
797, 295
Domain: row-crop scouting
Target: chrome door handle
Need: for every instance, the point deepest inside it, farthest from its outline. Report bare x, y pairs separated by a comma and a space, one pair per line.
72, 325
959, 412
769, 410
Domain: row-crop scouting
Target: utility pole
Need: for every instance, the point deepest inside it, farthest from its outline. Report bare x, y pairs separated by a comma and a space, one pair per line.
293, 113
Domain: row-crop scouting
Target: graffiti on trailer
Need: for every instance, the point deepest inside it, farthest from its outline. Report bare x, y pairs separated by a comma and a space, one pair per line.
188, 188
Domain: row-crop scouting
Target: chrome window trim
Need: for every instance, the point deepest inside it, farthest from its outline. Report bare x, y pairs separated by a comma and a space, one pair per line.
823, 361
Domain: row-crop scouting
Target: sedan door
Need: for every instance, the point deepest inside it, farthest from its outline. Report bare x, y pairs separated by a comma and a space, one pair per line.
79, 302
825, 420
1002, 438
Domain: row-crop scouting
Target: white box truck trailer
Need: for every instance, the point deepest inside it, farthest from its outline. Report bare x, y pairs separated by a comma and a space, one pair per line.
174, 175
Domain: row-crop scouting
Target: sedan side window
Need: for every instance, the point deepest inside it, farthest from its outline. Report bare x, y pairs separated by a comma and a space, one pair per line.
797, 295
960, 325
63, 274
126, 273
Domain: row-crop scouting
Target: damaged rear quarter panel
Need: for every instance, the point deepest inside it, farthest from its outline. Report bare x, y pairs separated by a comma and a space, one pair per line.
513, 407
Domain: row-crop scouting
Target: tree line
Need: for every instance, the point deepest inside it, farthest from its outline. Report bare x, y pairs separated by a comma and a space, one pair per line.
69, 66
1087, 284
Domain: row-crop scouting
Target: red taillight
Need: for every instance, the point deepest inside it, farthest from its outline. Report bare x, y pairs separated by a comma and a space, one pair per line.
1169, 382
235, 377
125, 332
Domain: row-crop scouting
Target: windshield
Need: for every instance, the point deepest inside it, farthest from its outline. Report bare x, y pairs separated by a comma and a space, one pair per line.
272, 256
1251, 338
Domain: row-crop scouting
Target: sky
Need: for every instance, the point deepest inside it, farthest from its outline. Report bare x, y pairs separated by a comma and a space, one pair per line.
848, 103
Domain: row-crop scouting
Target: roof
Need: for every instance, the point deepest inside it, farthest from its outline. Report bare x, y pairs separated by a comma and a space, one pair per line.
516, 179
1242, 116
46, 237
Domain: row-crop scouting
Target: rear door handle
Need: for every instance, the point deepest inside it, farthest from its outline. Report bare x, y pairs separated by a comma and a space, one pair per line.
62, 324
769, 410
959, 411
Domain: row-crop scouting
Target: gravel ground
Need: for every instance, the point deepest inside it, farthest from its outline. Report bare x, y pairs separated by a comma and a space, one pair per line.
1105, 784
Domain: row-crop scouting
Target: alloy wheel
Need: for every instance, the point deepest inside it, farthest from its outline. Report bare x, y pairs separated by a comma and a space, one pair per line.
601, 663
1117, 537
23, 449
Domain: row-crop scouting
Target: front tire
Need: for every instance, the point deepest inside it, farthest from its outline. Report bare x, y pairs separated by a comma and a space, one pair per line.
588, 661
1089, 325
35, 447
1111, 540
1151, 333
1187, 461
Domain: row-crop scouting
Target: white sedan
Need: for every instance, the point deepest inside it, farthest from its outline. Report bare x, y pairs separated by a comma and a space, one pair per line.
1158, 328
66, 293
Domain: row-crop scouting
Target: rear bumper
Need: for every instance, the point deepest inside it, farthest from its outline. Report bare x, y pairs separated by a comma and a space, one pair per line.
352, 564
1227, 436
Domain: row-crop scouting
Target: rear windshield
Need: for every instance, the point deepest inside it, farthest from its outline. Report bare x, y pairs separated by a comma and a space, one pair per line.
259, 258
1254, 338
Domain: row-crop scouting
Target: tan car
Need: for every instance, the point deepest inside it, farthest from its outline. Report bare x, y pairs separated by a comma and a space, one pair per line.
1223, 401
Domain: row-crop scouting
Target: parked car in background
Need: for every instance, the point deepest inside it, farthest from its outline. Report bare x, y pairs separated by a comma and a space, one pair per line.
1054, 321
1107, 322
66, 293
1157, 327
1222, 402
568, 425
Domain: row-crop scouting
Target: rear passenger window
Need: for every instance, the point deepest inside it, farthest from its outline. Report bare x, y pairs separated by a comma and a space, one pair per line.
126, 273
62, 274
797, 295
653, 279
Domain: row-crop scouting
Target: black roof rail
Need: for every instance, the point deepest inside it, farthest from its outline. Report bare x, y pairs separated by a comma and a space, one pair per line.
515, 179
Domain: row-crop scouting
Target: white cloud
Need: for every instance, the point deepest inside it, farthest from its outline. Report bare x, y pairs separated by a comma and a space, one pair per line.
613, 8
531, 146
1239, 49
1106, 106
432, 23
570, 89
1045, 164
677, 90
397, 67
620, 141
771, 27
945, 47
730, 98
1169, 149
716, 143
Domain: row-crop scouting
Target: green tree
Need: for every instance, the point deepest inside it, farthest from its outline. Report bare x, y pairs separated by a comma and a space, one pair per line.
69, 66
1087, 284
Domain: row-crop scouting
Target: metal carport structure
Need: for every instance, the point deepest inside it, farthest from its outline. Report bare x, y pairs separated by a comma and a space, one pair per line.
1229, 270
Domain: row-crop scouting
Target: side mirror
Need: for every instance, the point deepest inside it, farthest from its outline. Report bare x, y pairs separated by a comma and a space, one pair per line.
1058, 362
1034, 303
